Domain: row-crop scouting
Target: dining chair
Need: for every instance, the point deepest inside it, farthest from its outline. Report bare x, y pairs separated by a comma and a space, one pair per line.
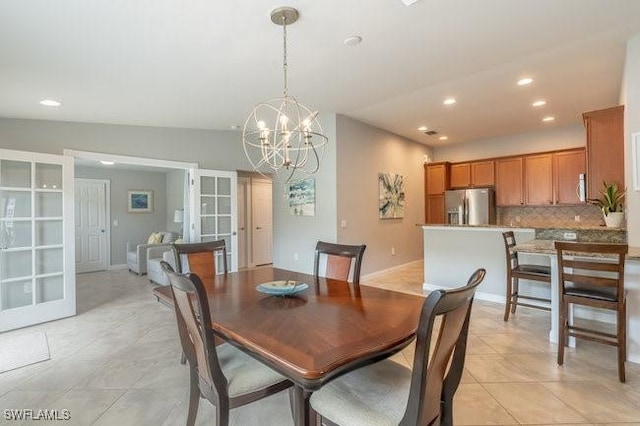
589, 280
340, 260
517, 271
200, 257
224, 375
387, 393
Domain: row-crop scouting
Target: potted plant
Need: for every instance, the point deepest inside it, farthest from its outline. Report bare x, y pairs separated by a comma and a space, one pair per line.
611, 204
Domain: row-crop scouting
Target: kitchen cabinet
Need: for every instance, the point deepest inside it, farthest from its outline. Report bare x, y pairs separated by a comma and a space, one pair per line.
460, 175
482, 173
509, 179
436, 177
538, 180
605, 148
568, 165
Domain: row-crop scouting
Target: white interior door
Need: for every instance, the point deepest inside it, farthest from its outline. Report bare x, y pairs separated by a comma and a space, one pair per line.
243, 191
261, 221
91, 224
37, 277
215, 213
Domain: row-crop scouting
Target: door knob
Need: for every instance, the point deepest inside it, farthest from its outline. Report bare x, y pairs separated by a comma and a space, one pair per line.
258, 227
102, 230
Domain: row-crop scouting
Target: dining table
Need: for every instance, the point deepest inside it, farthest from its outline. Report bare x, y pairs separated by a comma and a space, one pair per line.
312, 337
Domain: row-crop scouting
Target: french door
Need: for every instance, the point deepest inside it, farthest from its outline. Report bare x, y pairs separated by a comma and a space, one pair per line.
215, 213
37, 276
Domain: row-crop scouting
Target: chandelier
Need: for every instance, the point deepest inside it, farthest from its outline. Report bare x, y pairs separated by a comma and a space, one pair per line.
281, 135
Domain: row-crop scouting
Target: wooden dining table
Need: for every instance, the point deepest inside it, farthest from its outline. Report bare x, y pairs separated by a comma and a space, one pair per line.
314, 336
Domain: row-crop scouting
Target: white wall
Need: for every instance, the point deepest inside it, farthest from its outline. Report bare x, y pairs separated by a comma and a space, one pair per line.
544, 140
296, 236
175, 198
631, 99
363, 152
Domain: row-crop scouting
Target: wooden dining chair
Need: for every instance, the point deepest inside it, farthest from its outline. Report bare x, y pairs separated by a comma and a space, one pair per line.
341, 259
387, 393
224, 375
200, 257
517, 271
595, 282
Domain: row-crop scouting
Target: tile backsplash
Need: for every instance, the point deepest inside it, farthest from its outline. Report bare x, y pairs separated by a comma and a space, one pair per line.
548, 216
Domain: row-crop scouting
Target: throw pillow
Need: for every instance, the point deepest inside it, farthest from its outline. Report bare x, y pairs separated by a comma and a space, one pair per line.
155, 238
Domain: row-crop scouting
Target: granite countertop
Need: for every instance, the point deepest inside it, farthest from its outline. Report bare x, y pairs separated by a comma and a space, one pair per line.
546, 247
568, 228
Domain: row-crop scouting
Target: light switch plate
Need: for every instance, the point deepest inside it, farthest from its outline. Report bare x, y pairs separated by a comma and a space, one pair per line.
570, 236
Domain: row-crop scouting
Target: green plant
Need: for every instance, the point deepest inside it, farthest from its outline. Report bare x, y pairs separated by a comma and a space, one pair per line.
611, 200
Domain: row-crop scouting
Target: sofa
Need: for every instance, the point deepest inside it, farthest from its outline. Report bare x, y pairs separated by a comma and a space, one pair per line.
154, 271
137, 255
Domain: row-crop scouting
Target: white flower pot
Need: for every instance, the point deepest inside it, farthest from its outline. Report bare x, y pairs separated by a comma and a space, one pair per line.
614, 219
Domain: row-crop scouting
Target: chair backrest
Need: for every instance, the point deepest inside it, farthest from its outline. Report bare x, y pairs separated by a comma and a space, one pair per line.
339, 260
509, 244
194, 327
201, 257
591, 272
428, 381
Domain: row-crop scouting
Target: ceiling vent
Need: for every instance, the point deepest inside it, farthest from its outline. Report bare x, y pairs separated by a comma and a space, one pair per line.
430, 132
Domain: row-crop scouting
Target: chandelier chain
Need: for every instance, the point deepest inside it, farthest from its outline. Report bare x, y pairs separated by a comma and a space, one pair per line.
284, 60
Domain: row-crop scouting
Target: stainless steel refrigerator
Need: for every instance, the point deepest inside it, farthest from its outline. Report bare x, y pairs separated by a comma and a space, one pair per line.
475, 206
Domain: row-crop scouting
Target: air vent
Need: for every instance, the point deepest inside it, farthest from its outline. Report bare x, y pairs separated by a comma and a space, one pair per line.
430, 133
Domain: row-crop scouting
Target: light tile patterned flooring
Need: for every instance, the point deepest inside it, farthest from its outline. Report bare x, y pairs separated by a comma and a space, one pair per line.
116, 363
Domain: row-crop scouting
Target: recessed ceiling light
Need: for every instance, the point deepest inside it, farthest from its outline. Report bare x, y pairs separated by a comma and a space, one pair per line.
548, 118
525, 81
449, 101
107, 163
443, 138
50, 103
423, 128
352, 40
539, 103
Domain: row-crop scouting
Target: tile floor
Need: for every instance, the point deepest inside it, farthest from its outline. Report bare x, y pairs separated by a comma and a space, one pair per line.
116, 363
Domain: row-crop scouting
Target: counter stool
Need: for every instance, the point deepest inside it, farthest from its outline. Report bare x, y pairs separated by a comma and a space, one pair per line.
517, 271
590, 281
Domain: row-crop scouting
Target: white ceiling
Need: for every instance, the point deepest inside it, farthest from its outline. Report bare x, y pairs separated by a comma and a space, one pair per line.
203, 64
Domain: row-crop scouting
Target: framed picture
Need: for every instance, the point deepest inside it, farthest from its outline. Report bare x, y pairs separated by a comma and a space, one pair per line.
635, 152
391, 196
302, 197
139, 201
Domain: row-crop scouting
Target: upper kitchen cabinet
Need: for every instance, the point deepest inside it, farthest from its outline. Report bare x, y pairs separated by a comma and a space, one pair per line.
460, 175
538, 179
437, 176
509, 179
605, 148
482, 173
568, 165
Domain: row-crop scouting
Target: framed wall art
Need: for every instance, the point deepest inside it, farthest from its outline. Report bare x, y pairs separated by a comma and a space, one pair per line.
139, 201
391, 196
302, 197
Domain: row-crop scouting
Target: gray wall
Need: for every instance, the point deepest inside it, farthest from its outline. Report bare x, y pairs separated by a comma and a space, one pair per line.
631, 99
132, 227
363, 152
297, 235
543, 140
175, 198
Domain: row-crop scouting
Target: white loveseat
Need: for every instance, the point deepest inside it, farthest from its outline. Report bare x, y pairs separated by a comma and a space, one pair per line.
137, 255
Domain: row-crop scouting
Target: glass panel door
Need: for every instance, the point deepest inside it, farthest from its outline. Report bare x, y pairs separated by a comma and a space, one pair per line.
37, 283
215, 212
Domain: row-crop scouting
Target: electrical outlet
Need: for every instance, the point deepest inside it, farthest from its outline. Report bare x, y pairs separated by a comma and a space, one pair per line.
343, 223
115, 222
570, 236
577, 218
295, 256
517, 218
393, 251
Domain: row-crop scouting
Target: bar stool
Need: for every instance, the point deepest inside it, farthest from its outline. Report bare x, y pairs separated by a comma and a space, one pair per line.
590, 281
517, 271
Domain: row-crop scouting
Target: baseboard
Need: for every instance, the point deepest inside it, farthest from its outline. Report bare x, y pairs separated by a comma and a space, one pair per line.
117, 267
388, 270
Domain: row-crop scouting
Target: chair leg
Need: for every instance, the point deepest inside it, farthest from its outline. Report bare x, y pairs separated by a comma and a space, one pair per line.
222, 414
194, 396
562, 321
507, 299
622, 340
514, 295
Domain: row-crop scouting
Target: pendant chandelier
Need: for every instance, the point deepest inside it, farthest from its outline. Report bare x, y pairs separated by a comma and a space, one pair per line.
282, 136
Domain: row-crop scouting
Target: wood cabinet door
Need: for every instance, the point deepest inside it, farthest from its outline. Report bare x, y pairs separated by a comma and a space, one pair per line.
538, 179
460, 175
435, 209
509, 175
605, 148
567, 168
436, 175
482, 173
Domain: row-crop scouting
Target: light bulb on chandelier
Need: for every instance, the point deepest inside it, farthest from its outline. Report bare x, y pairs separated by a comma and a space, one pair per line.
281, 135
